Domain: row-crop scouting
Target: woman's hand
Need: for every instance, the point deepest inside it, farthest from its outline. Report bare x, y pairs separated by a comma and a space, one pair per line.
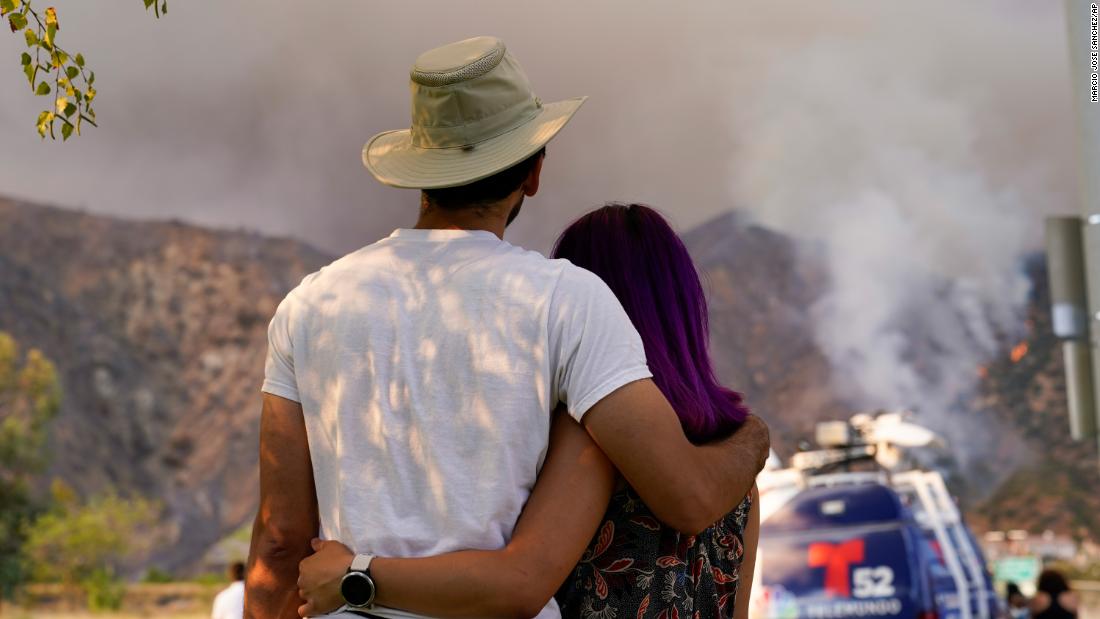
319, 577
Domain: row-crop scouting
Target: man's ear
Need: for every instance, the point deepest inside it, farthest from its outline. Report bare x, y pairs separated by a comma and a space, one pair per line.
531, 184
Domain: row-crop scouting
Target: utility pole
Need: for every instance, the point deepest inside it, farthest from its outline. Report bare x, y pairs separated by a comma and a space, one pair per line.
1073, 243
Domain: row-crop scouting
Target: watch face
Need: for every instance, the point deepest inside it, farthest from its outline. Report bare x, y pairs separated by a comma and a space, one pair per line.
357, 589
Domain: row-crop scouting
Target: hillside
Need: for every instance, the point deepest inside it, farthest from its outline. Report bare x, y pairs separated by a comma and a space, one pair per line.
1060, 488
158, 330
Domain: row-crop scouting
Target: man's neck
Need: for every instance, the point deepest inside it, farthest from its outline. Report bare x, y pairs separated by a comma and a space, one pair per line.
490, 218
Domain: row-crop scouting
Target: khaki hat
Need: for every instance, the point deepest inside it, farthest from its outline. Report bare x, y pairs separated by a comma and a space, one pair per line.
473, 115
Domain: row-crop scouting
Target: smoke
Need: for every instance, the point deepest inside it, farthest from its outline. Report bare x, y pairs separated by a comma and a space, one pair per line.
917, 143
916, 159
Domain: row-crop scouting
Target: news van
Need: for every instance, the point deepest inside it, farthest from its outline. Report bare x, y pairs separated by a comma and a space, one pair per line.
886, 542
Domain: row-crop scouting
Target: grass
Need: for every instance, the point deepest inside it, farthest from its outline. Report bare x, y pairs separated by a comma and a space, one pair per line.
10, 612
171, 600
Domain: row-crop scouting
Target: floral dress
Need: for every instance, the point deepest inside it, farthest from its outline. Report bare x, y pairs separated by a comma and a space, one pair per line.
636, 567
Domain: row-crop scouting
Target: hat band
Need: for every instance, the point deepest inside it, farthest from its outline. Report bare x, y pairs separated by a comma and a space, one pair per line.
468, 134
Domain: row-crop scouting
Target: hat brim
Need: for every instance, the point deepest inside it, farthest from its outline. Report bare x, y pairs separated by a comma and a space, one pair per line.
393, 160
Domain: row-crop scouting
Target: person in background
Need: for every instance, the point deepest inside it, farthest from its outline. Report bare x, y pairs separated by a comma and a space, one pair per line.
229, 604
1054, 599
1017, 602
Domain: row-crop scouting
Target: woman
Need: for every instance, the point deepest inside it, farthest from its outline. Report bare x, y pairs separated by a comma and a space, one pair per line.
634, 566
1053, 598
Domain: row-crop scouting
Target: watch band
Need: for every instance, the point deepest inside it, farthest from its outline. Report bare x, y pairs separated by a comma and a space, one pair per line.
361, 563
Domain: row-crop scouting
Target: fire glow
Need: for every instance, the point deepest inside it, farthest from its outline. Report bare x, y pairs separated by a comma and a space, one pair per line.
1018, 352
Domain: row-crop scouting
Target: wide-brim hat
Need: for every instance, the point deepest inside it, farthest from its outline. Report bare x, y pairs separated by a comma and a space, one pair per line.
473, 115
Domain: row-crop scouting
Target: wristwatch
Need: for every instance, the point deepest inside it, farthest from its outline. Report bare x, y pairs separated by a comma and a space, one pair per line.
357, 586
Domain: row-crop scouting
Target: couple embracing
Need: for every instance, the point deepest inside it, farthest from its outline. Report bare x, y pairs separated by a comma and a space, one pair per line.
453, 426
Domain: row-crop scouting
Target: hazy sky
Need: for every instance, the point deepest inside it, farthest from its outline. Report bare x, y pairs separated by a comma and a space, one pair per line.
252, 114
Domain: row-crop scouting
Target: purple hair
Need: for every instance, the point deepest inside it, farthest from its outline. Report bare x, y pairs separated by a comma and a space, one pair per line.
634, 250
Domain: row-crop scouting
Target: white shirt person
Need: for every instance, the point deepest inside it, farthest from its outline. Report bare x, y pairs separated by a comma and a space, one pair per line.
229, 603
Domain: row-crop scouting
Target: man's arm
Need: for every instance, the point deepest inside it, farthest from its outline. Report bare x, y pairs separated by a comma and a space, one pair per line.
287, 518
688, 487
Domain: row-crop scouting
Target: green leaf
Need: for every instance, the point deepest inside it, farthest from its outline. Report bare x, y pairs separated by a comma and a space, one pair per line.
69, 110
66, 131
44, 123
79, 60
32, 38
6, 6
26, 59
29, 71
149, 3
43, 89
164, 7
72, 72
18, 21
51, 31
91, 78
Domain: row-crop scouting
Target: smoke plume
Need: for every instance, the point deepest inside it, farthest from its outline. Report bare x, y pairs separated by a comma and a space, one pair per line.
917, 161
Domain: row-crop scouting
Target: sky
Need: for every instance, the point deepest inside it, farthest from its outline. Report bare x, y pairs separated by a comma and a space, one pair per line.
252, 115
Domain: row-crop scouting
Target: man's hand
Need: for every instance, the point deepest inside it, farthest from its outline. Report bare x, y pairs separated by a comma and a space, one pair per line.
758, 439
319, 577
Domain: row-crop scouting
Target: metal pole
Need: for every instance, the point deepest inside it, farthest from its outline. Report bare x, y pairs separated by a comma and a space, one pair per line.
1083, 17
1070, 318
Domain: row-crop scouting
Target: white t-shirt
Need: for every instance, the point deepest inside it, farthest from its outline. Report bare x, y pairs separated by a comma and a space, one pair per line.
427, 365
229, 604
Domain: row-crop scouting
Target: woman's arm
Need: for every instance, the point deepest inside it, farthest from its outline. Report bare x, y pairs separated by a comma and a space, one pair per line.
559, 520
748, 562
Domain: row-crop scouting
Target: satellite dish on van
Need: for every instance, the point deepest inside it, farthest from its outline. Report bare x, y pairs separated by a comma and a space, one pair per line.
892, 428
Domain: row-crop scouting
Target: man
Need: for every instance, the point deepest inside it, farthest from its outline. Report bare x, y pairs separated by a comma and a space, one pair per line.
409, 384
229, 603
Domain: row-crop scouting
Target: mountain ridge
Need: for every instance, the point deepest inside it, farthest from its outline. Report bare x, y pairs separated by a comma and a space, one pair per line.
159, 333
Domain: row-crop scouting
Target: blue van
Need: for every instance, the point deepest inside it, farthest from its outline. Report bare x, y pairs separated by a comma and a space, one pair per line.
884, 542
843, 551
